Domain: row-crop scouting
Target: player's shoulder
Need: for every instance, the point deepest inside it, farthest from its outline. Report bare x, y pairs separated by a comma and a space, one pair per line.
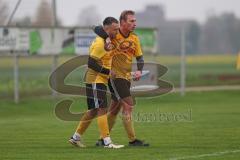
98, 41
134, 35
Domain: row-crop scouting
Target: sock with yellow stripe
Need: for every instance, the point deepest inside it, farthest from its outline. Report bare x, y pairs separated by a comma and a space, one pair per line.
103, 126
84, 123
128, 125
111, 121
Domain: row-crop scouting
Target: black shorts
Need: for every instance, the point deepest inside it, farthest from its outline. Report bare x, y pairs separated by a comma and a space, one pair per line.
96, 95
119, 88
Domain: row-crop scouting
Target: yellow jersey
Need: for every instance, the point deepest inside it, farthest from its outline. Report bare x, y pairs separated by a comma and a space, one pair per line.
104, 59
126, 48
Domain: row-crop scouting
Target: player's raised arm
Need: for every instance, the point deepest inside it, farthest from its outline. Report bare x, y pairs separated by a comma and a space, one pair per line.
100, 32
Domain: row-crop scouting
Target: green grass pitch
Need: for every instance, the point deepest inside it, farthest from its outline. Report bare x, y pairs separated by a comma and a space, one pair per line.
30, 130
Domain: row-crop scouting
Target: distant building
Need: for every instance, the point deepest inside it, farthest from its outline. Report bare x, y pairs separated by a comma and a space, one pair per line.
152, 16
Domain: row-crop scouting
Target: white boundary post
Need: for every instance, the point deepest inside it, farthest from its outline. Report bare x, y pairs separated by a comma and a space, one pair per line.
183, 62
54, 7
156, 49
54, 66
16, 77
55, 57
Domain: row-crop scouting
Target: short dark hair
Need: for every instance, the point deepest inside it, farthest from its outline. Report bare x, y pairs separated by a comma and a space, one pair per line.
109, 21
125, 13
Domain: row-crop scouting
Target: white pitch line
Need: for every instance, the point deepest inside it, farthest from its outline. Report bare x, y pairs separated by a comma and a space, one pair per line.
206, 155
209, 88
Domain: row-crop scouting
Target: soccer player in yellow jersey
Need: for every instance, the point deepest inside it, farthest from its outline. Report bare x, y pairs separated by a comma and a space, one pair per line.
127, 46
97, 75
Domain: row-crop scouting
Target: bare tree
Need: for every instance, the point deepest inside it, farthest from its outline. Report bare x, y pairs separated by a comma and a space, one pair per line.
89, 16
3, 12
44, 15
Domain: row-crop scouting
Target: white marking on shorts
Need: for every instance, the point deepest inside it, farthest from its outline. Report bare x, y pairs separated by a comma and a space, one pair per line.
94, 85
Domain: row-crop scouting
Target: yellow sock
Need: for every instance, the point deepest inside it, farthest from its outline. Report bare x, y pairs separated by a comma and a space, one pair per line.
103, 125
128, 125
111, 121
84, 123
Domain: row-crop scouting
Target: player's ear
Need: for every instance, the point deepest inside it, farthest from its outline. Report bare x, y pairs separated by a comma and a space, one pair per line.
100, 32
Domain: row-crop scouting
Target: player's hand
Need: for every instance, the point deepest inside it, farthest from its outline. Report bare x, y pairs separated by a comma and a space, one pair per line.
137, 75
108, 44
108, 40
112, 74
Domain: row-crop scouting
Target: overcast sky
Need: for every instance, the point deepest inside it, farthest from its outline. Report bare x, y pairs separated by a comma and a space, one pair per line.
68, 10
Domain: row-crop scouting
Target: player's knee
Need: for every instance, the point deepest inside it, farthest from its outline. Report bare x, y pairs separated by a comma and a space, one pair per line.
93, 112
128, 101
114, 108
127, 105
127, 109
102, 111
